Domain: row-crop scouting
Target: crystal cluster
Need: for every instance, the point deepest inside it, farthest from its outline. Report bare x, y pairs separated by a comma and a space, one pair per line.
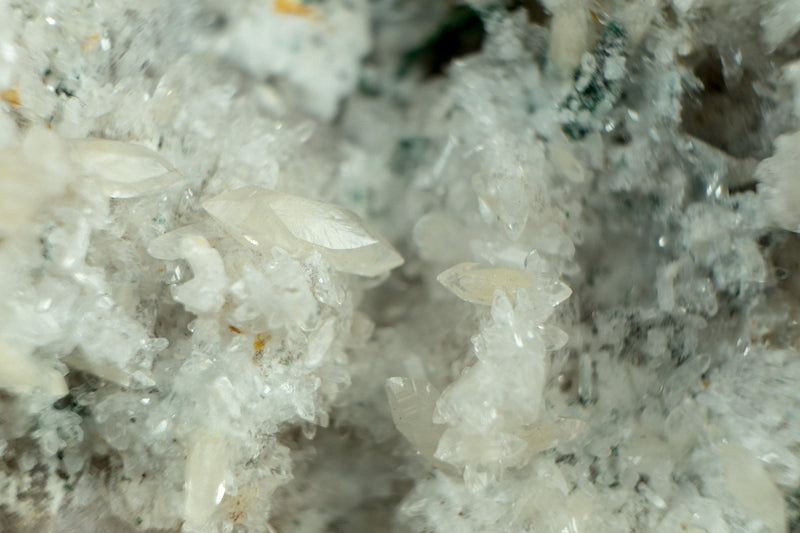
366, 265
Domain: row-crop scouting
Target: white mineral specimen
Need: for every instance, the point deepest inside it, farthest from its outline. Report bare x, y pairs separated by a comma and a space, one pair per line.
412, 403
608, 189
265, 218
125, 169
477, 283
205, 477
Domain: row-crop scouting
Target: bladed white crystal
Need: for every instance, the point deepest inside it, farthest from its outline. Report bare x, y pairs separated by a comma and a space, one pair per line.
412, 402
126, 170
265, 218
206, 467
477, 283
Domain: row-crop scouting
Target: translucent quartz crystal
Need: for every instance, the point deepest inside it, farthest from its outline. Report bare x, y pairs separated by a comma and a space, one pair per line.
125, 169
477, 283
265, 218
412, 402
473, 401
103, 325
291, 300
504, 197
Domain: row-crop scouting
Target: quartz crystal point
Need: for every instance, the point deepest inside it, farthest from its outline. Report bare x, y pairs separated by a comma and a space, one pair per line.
126, 170
476, 283
265, 218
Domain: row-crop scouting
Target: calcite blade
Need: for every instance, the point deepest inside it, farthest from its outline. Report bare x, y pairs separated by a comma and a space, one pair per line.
476, 283
321, 224
126, 170
412, 402
264, 218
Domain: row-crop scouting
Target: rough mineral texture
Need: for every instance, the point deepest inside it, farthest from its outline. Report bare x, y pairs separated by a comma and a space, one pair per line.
418, 266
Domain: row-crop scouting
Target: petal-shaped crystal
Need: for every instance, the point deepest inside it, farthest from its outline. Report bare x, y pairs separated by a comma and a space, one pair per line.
264, 218
477, 283
126, 170
412, 402
206, 467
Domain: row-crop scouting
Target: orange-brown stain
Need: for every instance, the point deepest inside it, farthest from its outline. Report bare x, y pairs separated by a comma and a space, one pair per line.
10, 96
261, 341
292, 7
237, 513
90, 43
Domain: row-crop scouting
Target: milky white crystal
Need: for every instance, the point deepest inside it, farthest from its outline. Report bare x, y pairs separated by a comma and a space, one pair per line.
412, 402
205, 293
206, 468
265, 218
477, 283
125, 170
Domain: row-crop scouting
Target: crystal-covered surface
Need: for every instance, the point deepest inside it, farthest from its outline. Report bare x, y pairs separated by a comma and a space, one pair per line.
573, 226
